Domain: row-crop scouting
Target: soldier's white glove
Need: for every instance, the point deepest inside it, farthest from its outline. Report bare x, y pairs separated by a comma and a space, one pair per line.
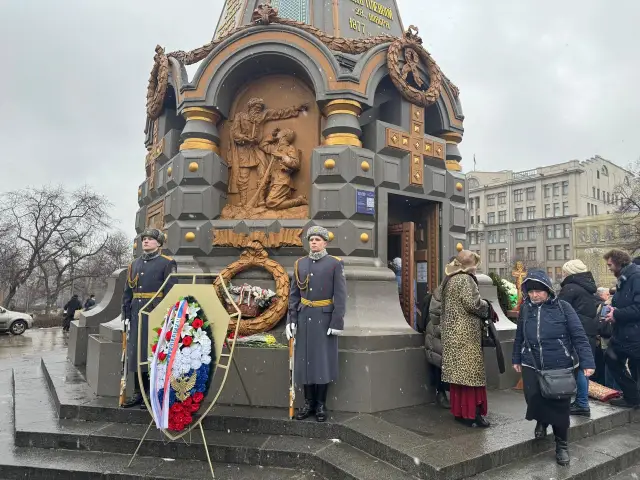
333, 331
290, 331
126, 322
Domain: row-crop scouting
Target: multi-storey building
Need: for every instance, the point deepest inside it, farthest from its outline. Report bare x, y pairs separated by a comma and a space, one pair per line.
528, 215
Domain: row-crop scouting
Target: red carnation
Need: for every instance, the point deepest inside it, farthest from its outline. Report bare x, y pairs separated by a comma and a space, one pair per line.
186, 341
158, 331
162, 356
198, 397
188, 402
176, 408
195, 407
154, 347
177, 304
168, 335
197, 323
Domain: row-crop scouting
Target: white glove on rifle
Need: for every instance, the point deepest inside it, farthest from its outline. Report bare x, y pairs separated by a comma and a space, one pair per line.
290, 331
333, 331
126, 322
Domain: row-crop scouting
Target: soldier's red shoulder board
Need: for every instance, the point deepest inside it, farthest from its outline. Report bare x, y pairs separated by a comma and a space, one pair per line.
167, 257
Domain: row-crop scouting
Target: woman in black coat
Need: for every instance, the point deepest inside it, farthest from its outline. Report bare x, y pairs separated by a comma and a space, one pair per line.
548, 330
578, 290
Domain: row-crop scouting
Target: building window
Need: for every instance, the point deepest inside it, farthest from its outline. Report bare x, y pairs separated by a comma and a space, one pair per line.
565, 208
547, 191
531, 253
491, 200
519, 214
531, 213
558, 273
531, 193
503, 273
492, 236
519, 234
608, 197
493, 270
520, 253
549, 253
503, 236
503, 254
531, 233
471, 204
549, 232
491, 218
565, 188
557, 252
567, 230
556, 209
471, 219
473, 238
558, 229
595, 209
492, 255
502, 198
517, 195
556, 189
594, 192
598, 174
550, 273
547, 211
502, 216
566, 252
598, 194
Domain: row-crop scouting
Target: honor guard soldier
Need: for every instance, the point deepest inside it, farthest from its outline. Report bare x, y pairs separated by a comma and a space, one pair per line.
145, 276
317, 305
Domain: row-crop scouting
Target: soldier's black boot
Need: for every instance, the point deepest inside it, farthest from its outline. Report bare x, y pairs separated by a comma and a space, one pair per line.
321, 400
309, 407
136, 399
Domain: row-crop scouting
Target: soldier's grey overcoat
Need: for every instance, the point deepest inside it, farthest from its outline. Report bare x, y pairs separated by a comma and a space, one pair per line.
316, 353
144, 276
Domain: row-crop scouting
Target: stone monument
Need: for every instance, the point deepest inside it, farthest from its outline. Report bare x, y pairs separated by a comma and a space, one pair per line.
301, 113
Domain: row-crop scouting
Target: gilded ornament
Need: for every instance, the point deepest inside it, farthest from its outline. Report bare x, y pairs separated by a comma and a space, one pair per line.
329, 164
364, 237
459, 186
183, 386
365, 166
169, 171
193, 167
190, 236
139, 192
459, 247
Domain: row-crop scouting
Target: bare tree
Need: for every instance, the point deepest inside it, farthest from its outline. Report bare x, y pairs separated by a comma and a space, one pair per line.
48, 223
627, 197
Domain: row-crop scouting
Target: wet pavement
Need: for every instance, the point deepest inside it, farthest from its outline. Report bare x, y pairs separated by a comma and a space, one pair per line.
33, 341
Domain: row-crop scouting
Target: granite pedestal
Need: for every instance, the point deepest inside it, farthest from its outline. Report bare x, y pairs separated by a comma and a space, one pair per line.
89, 321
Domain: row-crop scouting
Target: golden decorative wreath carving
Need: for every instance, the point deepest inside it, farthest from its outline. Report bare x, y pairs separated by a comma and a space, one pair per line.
265, 14
411, 45
256, 256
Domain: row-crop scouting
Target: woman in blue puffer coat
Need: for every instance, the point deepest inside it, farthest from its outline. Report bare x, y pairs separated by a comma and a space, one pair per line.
548, 331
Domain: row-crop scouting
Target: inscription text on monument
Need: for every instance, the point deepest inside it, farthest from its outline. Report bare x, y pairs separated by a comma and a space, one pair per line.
368, 18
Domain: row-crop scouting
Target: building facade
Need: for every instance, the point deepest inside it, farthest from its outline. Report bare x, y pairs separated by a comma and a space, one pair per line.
527, 216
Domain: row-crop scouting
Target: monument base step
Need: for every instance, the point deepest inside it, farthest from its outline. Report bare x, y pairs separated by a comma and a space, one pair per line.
418, 442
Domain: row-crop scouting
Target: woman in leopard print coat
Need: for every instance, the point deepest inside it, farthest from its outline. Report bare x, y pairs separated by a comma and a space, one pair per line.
463, 314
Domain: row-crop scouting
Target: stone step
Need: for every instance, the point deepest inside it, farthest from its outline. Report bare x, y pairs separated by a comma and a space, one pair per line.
595, 458
36, 426
35, 464
400, 441
632, 473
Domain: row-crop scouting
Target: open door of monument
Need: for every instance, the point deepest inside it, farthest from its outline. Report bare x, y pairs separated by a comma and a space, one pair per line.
408, 286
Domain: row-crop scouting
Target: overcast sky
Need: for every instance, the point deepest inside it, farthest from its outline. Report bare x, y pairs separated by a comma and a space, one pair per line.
541, 82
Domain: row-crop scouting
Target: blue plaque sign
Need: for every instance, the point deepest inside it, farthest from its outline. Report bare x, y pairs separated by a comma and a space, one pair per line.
365, 202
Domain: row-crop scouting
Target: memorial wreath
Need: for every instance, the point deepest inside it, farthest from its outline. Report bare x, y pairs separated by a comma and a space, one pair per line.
181, 365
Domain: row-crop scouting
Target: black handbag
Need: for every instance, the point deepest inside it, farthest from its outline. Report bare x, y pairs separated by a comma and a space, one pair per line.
559, 384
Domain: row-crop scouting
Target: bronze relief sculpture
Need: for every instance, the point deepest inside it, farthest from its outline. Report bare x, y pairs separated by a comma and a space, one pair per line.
274, 158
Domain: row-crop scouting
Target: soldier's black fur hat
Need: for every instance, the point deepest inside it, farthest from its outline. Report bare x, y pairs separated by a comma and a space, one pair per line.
154, 233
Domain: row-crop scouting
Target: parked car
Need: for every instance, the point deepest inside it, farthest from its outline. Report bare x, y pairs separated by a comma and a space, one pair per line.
14, 322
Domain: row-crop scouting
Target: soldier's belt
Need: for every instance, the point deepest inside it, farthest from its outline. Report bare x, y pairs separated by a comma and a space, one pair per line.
316, 303
146, 295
